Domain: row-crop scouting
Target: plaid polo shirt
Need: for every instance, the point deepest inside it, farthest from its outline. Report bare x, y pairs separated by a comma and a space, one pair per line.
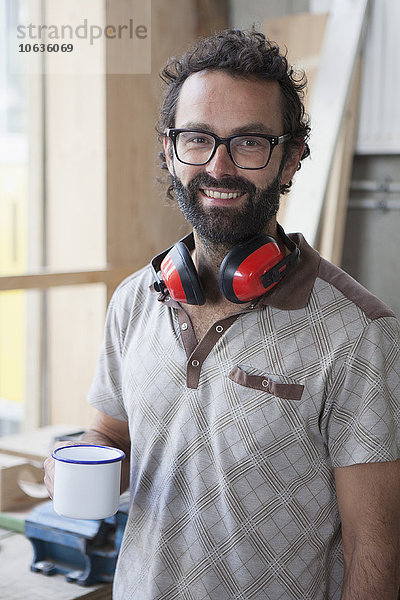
235, 438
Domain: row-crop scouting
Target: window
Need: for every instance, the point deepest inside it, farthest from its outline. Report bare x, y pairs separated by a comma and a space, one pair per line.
13, 223
53, 273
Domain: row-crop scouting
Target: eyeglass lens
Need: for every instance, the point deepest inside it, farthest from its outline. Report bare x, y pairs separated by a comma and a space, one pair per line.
247, 151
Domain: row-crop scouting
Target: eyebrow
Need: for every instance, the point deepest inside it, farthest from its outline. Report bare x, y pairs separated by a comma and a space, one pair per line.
256, 127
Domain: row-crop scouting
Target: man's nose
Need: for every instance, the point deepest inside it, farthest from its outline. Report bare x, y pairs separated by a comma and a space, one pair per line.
221, 163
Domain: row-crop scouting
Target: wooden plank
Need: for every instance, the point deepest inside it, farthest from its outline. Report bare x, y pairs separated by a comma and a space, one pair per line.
46, 279
210, 16
34, 231
34, 445
327, 107
331, 238
303, 51
17, 582
75, 215
140, 223
17, 482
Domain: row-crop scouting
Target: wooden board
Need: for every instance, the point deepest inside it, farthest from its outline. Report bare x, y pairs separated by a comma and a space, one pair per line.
34, 445
139, 222
331, 237
21, 483
303, 51
17, 582
328, 104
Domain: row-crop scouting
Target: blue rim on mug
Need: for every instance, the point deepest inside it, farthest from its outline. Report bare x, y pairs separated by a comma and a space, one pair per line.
89, 462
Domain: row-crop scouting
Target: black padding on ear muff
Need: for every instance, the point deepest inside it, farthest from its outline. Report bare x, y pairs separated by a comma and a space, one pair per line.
234, 259
184, 264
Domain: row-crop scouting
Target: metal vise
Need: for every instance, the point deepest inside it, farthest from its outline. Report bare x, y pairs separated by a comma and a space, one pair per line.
84, 551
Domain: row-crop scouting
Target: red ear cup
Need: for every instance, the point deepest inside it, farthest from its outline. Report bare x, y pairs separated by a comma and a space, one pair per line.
242, 272
180, 277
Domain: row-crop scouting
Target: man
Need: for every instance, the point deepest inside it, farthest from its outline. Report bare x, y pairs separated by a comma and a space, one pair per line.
260, 411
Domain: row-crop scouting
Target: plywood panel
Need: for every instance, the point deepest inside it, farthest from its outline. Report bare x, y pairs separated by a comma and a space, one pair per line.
303, 52
330, 243
140, 223
302, 35
74, 344
75, 218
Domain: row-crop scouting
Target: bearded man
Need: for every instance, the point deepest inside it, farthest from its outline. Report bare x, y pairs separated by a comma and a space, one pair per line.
253, 385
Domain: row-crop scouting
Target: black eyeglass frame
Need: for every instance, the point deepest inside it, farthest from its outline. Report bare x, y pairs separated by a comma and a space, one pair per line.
274, 140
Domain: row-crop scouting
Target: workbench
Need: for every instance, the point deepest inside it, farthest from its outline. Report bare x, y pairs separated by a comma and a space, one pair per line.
18, 582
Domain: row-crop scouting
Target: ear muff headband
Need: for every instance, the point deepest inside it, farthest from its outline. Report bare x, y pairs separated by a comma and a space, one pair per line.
180, 277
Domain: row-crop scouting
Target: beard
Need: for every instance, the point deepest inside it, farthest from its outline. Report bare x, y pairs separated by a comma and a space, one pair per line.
228, 226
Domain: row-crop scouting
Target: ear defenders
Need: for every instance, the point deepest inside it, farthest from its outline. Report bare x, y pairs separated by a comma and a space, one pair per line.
248, 271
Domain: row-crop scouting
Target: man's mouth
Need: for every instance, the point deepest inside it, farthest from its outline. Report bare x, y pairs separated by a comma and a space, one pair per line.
221, 195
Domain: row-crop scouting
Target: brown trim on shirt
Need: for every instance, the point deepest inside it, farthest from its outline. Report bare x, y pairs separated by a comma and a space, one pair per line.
293, 292
372, 307
201, 350
286, 391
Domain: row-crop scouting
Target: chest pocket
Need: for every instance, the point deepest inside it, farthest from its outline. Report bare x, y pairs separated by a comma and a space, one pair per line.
286, 391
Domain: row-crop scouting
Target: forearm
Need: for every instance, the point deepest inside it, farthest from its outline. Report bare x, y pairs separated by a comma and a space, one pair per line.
93, 436
371, 574
105, 431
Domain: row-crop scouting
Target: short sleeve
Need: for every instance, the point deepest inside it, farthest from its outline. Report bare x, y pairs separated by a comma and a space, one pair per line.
364, 401
105, 393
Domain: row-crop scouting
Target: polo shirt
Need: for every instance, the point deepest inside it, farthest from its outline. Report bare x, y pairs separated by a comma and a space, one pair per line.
234, 438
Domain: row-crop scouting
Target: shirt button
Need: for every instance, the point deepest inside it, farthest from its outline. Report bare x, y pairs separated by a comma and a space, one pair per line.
219, 328
184, 326
264, 383
195, 363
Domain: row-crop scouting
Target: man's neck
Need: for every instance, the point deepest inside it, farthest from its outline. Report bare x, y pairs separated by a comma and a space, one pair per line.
208, 257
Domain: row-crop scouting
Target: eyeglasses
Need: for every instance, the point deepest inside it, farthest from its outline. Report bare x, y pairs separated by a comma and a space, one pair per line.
247, 151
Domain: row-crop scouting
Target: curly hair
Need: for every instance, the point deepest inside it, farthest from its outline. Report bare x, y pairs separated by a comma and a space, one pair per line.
246, 54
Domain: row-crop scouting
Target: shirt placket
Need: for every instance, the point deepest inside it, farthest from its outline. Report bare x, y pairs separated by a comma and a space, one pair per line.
197, 352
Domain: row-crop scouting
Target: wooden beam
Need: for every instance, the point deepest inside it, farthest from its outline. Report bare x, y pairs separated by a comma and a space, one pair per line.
331, 238
210, 16
303, 51
327, 108
140, 221
46, 279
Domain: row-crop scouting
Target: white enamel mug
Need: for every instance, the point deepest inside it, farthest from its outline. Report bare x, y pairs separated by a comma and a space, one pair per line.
87, 481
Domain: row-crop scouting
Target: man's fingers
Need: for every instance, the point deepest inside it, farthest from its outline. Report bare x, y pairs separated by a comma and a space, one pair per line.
49, 475
49, 466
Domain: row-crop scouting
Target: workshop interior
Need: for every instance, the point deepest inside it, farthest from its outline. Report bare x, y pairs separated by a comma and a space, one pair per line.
82, 207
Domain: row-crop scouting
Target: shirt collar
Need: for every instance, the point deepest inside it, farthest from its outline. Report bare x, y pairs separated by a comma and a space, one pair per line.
291, 293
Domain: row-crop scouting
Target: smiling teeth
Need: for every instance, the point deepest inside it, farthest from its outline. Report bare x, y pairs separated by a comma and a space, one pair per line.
222, 195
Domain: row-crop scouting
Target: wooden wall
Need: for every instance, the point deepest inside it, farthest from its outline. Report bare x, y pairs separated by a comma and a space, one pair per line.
139, 222
104, 204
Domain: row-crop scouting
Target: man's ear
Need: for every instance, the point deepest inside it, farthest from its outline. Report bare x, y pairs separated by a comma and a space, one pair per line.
168, 151
291, 164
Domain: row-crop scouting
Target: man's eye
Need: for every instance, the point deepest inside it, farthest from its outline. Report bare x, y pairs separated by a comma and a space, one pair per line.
198, 140
250, 142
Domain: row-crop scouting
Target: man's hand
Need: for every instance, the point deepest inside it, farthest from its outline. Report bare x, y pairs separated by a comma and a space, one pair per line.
105, 431
49, 464
369, 505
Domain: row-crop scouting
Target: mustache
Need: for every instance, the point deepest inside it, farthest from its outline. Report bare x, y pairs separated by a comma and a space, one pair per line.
202, 180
